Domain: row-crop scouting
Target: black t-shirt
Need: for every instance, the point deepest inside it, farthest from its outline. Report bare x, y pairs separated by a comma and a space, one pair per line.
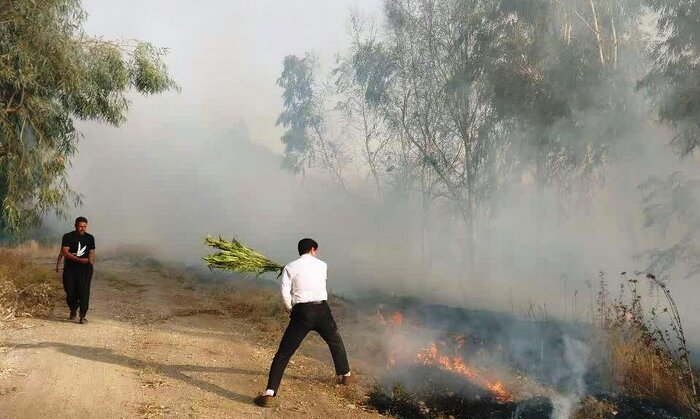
78, 246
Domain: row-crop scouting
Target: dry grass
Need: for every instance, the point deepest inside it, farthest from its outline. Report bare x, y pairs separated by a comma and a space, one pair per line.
592, 408
643, 370
152, 410
26, 289
643, 358
244, 302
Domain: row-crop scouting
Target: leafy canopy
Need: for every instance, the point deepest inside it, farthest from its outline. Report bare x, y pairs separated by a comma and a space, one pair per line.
51, 74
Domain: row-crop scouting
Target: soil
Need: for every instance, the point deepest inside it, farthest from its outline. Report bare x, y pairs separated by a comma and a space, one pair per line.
154, 347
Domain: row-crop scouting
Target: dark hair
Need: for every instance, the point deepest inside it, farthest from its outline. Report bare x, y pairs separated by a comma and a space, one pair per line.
80, 220
305, 246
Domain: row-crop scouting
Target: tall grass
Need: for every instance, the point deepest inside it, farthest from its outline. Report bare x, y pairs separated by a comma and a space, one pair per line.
646, 348
26, 289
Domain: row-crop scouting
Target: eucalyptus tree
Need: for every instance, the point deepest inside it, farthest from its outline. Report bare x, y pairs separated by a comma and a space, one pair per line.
308, 141
439, 97
673, 81
569, 83
53, 74
673, 84
360, 83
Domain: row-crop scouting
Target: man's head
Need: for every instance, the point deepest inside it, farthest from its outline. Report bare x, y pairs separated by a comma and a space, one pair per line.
81, 225
307, 246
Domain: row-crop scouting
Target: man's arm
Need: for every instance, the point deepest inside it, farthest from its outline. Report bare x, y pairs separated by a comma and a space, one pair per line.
91, 257
58, 260
286, 289
65, 251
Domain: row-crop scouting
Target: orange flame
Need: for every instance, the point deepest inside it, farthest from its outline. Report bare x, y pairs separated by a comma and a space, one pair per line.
397, 318
430, 356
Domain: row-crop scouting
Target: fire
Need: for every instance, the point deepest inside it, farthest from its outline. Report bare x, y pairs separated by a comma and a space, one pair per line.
430, 356
500, 392
397, 318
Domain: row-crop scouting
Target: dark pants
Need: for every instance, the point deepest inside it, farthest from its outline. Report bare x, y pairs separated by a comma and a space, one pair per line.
76, 283
306, 317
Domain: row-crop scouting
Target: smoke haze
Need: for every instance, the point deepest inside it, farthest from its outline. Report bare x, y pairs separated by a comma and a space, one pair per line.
208, 160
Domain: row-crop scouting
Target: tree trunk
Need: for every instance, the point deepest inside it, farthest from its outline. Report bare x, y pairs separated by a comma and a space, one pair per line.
425, 217
470, 222
371, 156
597, 33
614, 34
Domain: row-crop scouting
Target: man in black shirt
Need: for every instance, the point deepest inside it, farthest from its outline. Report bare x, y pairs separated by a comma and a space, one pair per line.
78, 249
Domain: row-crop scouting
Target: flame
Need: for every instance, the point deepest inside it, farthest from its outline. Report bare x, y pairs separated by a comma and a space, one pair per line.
397, 318
431, 356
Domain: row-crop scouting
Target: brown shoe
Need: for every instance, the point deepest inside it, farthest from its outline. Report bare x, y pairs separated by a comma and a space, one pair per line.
265, 401
347, 380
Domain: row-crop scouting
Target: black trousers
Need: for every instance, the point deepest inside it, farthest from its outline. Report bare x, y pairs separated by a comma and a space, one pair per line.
76, 283
306, 317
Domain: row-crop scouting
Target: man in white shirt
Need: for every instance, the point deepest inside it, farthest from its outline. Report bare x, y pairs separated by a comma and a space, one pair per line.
305, 297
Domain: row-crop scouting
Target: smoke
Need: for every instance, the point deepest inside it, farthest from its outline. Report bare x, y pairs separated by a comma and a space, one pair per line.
207, 161
576, 354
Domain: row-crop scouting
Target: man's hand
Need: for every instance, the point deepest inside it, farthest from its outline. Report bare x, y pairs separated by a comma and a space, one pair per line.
84, 261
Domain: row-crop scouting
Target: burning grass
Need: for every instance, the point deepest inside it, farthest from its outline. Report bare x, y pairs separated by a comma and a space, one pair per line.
448, 374
431, 356
623, 365
26, 289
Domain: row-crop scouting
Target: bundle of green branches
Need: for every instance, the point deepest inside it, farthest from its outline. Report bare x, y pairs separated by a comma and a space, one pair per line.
237, 257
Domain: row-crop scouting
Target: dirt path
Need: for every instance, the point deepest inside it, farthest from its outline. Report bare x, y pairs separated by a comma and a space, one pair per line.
146, 353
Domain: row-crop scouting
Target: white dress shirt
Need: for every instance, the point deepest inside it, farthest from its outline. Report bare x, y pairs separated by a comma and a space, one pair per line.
304, 280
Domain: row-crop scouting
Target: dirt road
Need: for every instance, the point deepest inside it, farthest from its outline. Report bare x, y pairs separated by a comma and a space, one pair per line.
148, 351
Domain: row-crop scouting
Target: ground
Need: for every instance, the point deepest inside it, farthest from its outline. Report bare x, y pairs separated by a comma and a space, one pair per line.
155, 347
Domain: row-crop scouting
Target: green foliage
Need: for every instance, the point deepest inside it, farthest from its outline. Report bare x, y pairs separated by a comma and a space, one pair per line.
299, 116
674, 79
564, 77
673, 84
457, 98
668, 201
52, 74
306, 140
236, 257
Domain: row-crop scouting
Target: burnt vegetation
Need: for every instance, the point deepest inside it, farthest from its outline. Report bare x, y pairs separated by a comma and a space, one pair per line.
635, 363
